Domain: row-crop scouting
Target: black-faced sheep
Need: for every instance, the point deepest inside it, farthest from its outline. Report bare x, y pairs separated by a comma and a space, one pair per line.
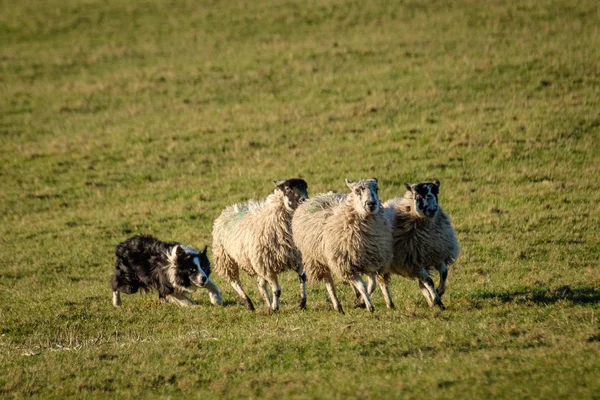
423, 238
257, 237
345, 236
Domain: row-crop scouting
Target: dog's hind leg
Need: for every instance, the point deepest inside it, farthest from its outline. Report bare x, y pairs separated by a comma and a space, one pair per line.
115, 283
116, 298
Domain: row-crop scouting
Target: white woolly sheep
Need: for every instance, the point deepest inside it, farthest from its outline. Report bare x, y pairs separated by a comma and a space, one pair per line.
257, 237
423, 239
345, 236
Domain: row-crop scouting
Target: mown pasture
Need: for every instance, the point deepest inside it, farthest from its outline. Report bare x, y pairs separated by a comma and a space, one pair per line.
119, 118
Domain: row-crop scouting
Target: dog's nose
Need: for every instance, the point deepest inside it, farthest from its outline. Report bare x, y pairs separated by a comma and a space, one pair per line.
202, 279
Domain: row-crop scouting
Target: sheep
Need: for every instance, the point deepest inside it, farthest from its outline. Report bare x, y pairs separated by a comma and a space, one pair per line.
423, 239
345, 236
257, 237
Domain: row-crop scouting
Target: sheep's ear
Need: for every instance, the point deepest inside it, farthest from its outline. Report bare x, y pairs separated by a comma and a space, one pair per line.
375, 179
204, 250
350, 183
436, 183
279, 184
408, 186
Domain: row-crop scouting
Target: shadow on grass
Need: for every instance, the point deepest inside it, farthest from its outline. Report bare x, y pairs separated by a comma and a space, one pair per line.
578, 295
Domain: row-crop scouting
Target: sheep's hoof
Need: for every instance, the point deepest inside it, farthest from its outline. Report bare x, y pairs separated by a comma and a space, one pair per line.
340, 310
249, 305
391, 306
371, 309
302, 304
359, 303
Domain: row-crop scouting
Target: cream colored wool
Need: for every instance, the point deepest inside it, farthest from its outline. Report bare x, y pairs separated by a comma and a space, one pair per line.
308, 227
257, 237
337, 237
421, 244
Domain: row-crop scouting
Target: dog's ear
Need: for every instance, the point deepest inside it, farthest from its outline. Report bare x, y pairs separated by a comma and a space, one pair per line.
204, 250
180, 252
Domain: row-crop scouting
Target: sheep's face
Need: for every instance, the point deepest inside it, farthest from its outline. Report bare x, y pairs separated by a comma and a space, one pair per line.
425, 195
295, 191
365, 194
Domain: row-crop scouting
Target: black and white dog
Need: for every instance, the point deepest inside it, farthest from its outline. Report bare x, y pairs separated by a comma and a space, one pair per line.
173, 269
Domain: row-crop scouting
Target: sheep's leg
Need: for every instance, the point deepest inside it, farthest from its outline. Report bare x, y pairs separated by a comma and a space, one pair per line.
302, 279
383, 281
426, 293
362, 288
371, 279
428, 289
276, 289
331, 290
213, 292
443, 276
237, 286
262, 288
359, 302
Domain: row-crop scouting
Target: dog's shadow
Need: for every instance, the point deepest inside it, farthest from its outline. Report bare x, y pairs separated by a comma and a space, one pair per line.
575, 295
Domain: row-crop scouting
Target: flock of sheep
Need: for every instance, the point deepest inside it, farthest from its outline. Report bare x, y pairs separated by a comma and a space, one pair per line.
336, 235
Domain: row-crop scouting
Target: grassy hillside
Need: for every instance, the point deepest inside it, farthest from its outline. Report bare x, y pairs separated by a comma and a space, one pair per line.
119, 118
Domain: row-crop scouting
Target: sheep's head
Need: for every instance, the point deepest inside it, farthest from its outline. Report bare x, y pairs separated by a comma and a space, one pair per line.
365, 195
295, 191
425, 195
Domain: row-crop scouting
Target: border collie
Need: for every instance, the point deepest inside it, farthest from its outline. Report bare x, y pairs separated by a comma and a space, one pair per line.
175, 270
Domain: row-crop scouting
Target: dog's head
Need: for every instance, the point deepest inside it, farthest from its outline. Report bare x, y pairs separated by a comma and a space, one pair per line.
191, 268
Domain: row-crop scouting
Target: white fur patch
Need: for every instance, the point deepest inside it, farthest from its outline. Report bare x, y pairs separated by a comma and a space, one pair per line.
116, 299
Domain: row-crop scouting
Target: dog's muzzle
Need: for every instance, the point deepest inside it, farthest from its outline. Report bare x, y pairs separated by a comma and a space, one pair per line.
200, 280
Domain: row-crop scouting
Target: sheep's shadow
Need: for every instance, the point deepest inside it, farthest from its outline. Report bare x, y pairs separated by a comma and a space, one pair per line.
576, 295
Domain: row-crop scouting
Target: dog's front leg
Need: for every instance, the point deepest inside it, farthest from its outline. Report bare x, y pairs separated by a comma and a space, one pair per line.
181, 300
213, 292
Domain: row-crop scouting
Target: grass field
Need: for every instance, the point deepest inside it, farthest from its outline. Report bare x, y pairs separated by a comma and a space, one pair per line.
119, 118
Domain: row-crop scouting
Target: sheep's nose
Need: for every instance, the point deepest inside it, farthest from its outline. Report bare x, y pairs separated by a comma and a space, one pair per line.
371, 205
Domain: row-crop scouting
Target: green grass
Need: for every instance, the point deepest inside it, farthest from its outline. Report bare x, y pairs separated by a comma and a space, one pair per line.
118, 118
